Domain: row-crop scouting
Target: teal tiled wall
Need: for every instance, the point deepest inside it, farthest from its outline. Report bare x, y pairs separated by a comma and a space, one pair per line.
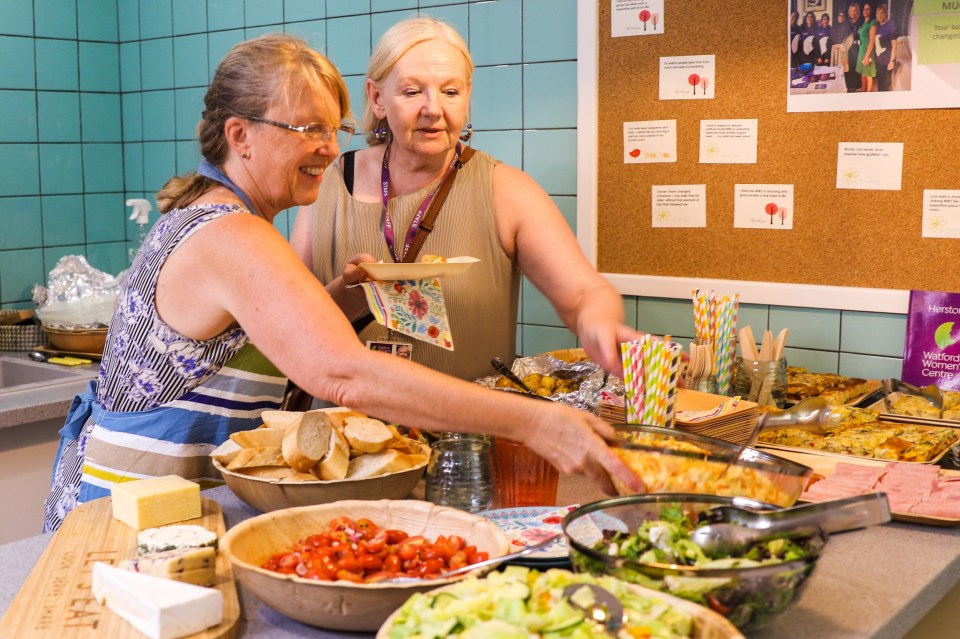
100, 99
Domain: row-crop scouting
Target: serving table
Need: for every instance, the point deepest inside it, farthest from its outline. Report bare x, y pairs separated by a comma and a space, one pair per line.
879, 582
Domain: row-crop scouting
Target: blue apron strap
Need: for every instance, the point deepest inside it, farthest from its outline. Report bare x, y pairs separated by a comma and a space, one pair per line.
80, 411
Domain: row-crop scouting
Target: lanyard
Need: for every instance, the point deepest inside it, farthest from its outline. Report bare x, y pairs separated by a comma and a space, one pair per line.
210, 171
385, 220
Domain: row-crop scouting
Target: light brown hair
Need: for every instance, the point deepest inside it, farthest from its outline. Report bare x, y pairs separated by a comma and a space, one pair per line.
254, 75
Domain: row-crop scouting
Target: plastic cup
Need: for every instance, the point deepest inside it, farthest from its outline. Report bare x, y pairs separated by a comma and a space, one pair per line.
524, 478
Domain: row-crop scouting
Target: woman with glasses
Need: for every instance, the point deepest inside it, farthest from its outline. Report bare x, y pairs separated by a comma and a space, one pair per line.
214, 274
418, 90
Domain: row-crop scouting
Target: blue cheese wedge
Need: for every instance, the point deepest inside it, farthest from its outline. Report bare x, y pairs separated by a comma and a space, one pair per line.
159, 608
179, 537
195, 566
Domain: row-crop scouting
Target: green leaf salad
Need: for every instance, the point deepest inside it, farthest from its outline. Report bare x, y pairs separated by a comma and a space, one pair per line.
749, 589
520, 603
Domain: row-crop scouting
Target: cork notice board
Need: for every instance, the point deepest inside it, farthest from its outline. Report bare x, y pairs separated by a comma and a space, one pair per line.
840, 237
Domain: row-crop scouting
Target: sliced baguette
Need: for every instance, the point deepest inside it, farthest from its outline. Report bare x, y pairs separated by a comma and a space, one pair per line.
306, 442
280, 418
260, 456
225, 452
338, 416
366, 435
269, 472
335, 463
386, 461
259, 438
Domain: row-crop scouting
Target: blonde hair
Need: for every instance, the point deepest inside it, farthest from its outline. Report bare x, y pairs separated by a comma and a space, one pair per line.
394, 44
253, 76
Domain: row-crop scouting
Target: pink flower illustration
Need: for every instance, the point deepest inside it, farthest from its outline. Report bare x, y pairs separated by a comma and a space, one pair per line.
418, 304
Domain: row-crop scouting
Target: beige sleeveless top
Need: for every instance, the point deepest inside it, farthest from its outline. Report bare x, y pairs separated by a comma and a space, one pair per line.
481, 303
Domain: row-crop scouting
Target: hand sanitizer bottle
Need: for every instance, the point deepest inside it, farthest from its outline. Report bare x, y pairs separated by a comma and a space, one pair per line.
140, 215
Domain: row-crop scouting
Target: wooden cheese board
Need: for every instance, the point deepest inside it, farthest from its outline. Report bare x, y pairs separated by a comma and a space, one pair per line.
56, 599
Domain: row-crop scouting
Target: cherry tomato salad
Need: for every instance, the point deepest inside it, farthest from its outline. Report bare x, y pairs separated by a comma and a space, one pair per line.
362, 552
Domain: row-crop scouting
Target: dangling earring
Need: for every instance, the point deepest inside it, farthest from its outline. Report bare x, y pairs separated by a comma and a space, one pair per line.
381, 131
468, 134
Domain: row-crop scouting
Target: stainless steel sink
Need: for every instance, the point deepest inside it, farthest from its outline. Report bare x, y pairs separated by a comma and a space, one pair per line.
21, 374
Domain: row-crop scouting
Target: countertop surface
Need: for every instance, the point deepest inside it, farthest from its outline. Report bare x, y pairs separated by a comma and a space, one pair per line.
877, 582
40, 403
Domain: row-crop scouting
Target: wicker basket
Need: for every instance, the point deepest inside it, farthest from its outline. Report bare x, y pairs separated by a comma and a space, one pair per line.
21, 337
88, 340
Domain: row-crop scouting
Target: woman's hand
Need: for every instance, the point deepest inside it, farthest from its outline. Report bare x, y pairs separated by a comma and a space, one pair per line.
353, 274
573, 442
349, 298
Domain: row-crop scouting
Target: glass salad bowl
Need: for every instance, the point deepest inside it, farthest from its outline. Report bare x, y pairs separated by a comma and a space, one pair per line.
644, 539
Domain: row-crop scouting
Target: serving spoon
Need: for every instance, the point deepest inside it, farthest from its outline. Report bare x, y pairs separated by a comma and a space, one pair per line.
738, 528
603, 606
526, 550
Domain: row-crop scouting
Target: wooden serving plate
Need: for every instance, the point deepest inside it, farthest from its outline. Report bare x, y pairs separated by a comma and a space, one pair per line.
56, 600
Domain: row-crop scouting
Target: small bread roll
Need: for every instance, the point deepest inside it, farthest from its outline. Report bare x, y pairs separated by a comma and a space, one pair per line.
226, 451
261, 456
366, 435
280, 418
433, 259
306, 442
335, 463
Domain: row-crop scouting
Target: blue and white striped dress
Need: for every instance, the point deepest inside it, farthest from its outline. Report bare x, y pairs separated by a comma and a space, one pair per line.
162, 401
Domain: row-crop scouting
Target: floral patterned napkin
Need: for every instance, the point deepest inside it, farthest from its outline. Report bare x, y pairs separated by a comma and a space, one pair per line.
411, 307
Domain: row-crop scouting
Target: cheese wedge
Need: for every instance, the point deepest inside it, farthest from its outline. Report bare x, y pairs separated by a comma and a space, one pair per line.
159, 608
147, 503
195, 566
175, 538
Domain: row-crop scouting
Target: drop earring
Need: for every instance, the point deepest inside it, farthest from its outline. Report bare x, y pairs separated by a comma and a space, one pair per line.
381, 131
467, 134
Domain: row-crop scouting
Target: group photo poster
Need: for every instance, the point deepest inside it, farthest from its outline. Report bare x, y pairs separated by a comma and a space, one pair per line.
851, 55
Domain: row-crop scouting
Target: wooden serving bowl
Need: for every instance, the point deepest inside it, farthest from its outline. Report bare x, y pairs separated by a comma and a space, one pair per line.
343, 605
272, 494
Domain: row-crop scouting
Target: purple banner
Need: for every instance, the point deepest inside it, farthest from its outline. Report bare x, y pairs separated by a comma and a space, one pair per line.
931, 352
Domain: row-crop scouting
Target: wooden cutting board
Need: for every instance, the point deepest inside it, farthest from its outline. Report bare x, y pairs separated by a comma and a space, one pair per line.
56, 600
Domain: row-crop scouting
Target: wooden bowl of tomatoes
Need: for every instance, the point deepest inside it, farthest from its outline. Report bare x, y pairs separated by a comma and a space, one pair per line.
325, 565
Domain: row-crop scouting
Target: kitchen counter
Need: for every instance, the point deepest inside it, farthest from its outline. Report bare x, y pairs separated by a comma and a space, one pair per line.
877, 582
45, 402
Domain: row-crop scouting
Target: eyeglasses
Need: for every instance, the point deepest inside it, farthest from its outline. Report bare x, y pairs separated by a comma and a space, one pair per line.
315, 131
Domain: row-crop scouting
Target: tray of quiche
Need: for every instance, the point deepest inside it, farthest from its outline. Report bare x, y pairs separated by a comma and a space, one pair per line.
839, 390
865, 433
929, 403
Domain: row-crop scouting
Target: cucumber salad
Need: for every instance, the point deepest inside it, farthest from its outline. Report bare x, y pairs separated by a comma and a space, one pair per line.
520, 603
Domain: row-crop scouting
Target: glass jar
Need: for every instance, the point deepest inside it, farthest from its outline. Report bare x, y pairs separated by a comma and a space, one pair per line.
460, 473
761, 381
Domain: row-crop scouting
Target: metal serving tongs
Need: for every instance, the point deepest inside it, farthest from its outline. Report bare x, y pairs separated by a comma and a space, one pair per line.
734, 529
504, 370
810, 414
930, 393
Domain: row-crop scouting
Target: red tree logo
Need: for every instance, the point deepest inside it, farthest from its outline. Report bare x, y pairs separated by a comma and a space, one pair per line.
771, 210
644, 16
694, 80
